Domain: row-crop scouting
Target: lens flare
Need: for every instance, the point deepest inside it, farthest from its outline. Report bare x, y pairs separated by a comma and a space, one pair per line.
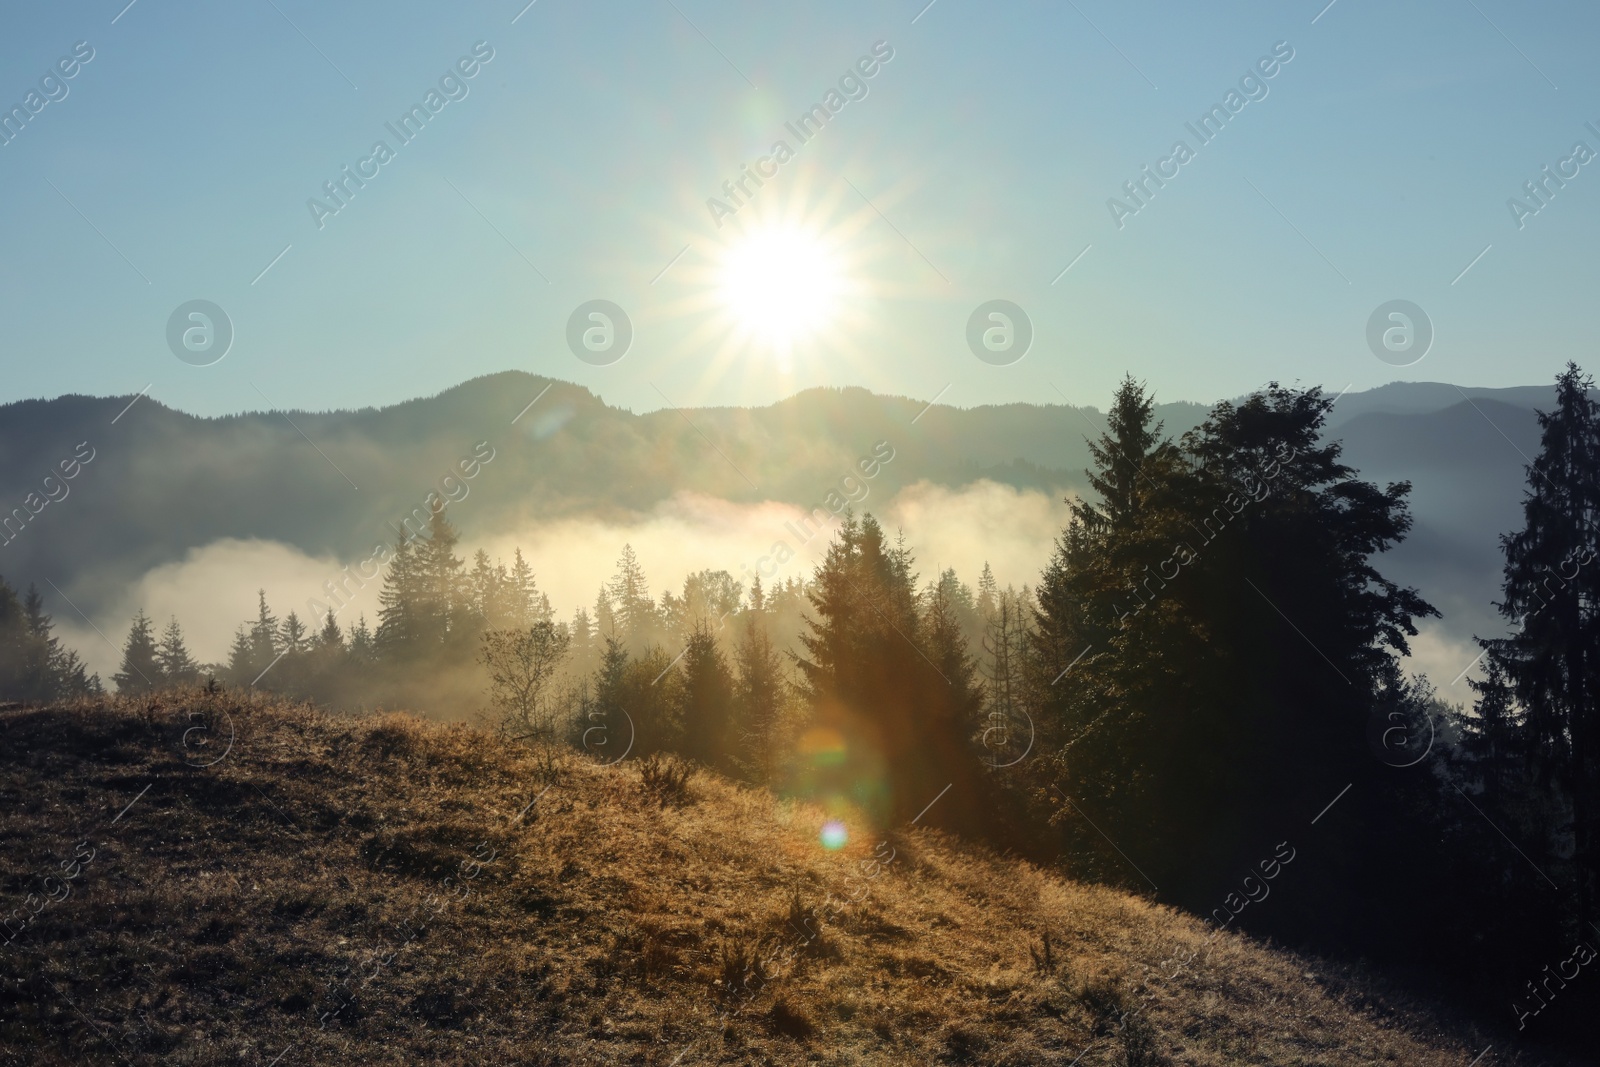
834, 835
824, 747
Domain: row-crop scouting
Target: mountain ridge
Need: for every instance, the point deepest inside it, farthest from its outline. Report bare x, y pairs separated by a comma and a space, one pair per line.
165, 483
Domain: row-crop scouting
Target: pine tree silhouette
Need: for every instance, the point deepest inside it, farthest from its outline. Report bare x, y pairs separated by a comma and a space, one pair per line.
141, 668
1541, 699
177, 666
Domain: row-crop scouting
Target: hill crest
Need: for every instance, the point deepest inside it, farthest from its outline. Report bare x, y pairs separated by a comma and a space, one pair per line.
267, 881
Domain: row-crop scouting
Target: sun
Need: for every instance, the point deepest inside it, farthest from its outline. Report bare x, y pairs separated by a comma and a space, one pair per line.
781, 285
791, 288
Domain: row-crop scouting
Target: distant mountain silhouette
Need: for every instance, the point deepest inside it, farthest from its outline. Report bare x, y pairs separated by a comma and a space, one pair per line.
163, 482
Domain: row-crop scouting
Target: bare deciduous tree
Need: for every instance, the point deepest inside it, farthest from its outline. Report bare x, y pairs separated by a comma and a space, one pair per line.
522, 663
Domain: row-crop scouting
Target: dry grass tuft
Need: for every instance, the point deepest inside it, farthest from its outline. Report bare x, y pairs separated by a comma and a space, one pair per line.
665, 779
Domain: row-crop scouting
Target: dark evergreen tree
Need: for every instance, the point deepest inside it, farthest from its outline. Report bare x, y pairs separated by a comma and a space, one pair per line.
988, 594
896, 684
172, 656
39, 650
957, 602
607, 729
487, 585
141, 666
363, 649
34, 667
758, 697
293, 637
71, 675
242, 668
1540, 704
1184, 710
443, 611
1007, 733
401, 626
328, 677
605, 616
264, 637
330, 635
585, 653
706, 701
652, 695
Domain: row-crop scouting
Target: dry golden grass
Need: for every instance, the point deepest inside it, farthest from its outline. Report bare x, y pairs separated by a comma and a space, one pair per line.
611, 925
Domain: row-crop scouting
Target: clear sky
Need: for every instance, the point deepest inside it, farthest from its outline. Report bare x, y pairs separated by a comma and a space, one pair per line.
977, 166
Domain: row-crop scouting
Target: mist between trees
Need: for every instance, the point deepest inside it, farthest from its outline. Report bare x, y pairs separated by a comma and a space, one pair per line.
1222, 713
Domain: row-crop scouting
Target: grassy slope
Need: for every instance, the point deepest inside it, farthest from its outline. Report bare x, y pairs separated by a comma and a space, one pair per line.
219, 910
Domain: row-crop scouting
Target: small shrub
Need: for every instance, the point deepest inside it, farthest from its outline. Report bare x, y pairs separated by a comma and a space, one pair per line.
743, 970
1044, 960
536, 901
788, 1020
666, 779
1103, 997
1139, 1045
802, 925
657, 958
965, 1045
389, 739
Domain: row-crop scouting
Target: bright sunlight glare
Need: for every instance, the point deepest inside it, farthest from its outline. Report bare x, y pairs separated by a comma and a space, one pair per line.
781, 285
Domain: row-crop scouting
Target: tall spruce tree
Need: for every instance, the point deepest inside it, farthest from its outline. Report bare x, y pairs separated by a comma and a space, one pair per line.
264, 635
141, 666
758, 696
988, 593
633, 611
894, 682
400, 623
40, 649
363, 648
172, 655
1540, 703
293, 637
443, 608
529, 605
584, 654
34, 666
706, 694
242, 668
607, 731
488, 593
1187, 710
1007, 733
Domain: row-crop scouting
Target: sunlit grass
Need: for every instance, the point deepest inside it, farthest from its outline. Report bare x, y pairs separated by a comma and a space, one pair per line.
602, 927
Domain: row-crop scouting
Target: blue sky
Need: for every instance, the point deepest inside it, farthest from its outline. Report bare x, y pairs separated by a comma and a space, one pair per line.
978, 166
